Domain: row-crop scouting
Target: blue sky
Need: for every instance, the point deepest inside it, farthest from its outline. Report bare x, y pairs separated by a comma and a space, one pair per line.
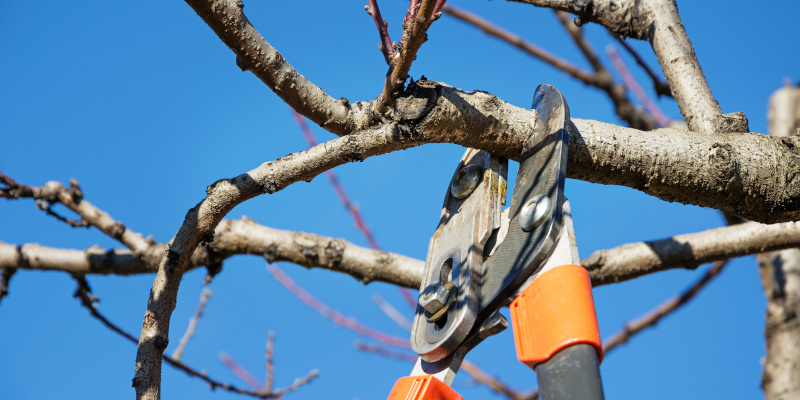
145, 106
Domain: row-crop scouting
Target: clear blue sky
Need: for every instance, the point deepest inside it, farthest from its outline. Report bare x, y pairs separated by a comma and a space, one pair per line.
145, 106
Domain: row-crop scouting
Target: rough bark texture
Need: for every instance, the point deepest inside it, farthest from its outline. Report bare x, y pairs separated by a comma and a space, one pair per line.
688, 250
233, 237
780, 275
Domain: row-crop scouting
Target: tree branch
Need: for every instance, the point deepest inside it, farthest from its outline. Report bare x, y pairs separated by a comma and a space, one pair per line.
689, 250
601, 79
661, 87
413, 37
245, 236
658, 22
84, 294
652, 318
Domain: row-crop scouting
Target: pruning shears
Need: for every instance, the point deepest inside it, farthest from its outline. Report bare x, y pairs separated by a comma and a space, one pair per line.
481, 259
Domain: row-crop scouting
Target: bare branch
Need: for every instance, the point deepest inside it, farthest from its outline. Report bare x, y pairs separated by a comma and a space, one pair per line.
333, 315
601, 79
253, 53
84, 294
658, 22
497, 386
689, 250
494, 30
386, 46
630, 83
661, 87
391, 312
54, 192
268, 353
247, 237
780, 276
192, 324
652, 317
413, 37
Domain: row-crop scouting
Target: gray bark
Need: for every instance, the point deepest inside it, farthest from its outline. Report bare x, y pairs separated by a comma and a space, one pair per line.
780, 275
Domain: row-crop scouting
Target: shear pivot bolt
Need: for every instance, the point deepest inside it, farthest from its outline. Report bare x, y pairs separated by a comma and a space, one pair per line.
533, 212
436, 299
464, 182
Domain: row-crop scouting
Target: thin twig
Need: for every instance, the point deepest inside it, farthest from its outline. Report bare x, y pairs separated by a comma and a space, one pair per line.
54, 192
333, 315
493, 30
240, 371
84, 293
600, 79
631, 83
576, 32
5, 277
386, 45
414, 34
355, 213
661, 86
391, 312
385, 352
206, 294
268, 354
654, 316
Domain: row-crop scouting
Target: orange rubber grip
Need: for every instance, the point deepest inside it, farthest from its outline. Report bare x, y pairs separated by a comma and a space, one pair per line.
556, 311
426, 387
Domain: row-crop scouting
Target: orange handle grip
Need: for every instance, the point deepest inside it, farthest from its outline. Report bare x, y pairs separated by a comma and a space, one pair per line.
555, 312
426, 387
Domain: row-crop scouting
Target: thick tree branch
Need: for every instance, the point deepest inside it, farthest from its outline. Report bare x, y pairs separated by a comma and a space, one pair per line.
226, 18
658, 22
689, 250
245, 236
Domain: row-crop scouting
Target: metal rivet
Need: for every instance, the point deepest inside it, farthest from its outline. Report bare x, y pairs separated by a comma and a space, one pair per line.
533, 212
464, 182
436, 299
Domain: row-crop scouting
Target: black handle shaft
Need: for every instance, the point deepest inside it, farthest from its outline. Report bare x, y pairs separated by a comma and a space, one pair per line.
571, 374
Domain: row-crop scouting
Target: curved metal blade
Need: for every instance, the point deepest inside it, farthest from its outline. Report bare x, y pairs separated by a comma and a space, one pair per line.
542, 171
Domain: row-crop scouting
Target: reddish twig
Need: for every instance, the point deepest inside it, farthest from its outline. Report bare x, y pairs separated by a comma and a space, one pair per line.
333, 315
337, 186
386, 45
264, 391
415, 27
631, 83
206, 294
388, 353
240, 371
497, 386
361, 225
392, 312
661, 87
654, 316
83, 292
